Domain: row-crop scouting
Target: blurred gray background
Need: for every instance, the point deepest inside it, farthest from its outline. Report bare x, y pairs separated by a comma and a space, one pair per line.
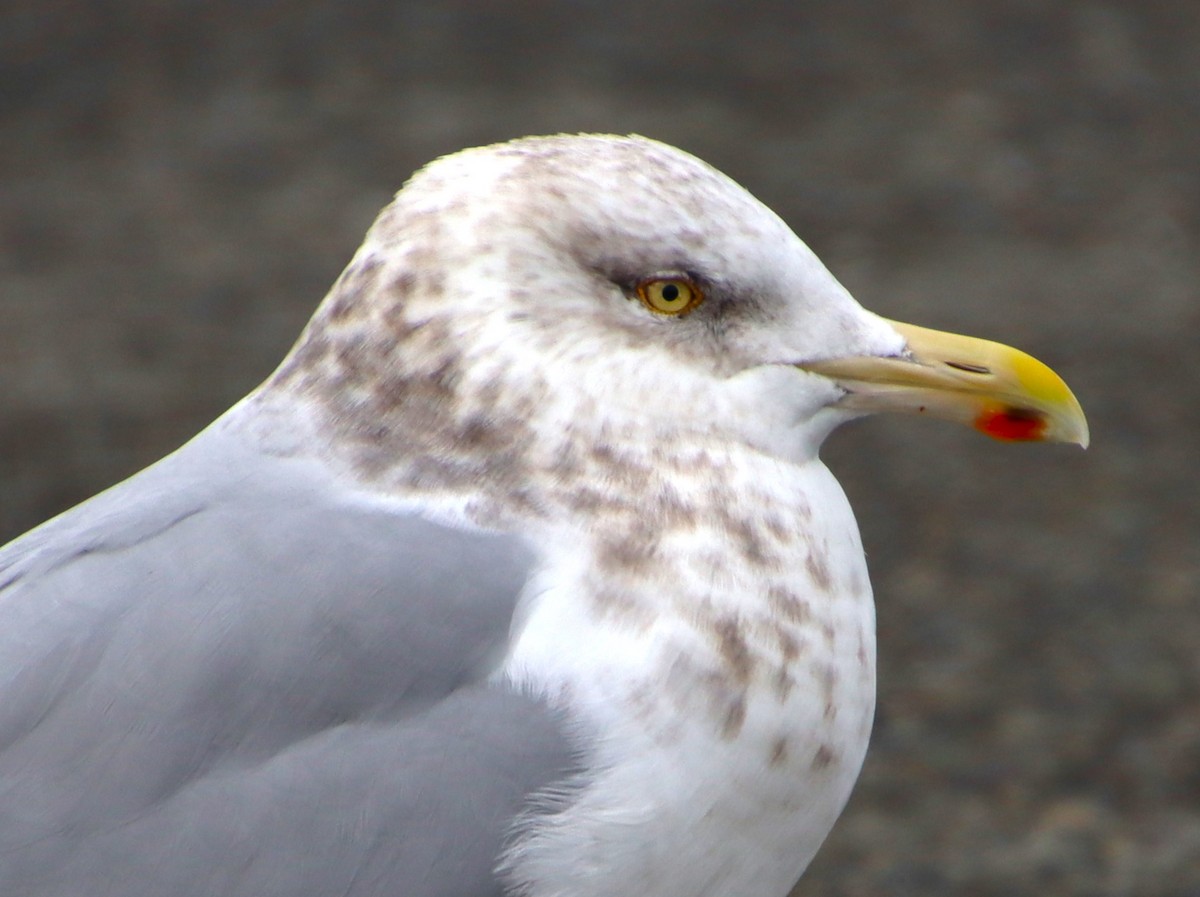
180, 182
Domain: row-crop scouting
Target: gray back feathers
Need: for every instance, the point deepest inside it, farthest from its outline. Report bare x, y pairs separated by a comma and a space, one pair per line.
220, 678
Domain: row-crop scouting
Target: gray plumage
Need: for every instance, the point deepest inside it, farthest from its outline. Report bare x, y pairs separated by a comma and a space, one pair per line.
220, 677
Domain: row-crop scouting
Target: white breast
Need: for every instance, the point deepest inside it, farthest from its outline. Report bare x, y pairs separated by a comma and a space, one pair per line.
723, 681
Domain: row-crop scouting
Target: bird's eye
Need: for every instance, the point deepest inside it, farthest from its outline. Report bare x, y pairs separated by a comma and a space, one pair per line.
669, 295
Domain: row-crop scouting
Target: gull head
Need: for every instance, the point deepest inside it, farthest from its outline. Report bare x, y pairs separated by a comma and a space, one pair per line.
552, 289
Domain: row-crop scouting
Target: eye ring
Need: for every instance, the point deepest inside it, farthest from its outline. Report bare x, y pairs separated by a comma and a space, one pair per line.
670, 296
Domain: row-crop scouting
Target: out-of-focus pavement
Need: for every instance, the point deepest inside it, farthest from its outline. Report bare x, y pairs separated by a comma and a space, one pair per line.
179, 184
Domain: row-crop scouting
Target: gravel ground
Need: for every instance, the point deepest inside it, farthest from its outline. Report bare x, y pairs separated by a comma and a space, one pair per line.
179, 183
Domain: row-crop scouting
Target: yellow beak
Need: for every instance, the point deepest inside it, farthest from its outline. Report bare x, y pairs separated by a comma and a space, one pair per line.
999, 390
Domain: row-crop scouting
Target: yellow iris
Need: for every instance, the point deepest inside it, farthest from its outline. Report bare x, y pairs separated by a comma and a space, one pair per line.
669, 295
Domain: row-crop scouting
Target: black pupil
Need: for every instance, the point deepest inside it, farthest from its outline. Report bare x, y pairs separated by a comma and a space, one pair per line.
670, 292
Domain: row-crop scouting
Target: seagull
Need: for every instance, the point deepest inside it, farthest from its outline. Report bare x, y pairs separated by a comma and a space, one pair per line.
521, 575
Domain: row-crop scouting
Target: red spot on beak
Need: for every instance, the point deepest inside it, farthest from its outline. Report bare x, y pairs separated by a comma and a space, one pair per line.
1012, 424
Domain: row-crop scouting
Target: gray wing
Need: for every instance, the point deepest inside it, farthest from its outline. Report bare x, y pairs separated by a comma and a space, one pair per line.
225, 677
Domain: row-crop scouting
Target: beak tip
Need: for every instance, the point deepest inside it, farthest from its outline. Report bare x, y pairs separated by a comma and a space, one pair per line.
1077, 429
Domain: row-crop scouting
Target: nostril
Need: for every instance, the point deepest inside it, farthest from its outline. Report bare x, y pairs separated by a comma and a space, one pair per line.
969, 368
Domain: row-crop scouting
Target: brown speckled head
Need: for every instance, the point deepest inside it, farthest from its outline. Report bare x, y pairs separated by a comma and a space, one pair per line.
490, 332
